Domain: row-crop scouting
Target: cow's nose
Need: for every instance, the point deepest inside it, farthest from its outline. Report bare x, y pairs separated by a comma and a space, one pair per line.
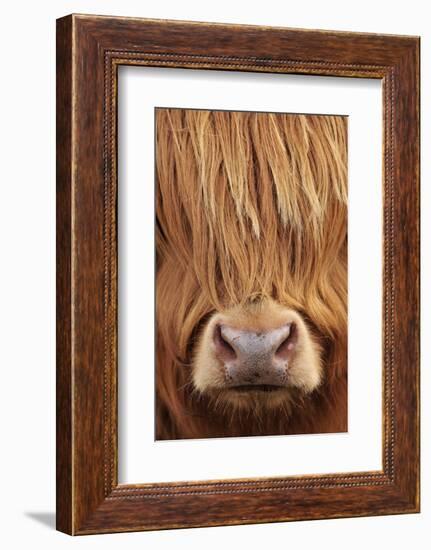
255, 358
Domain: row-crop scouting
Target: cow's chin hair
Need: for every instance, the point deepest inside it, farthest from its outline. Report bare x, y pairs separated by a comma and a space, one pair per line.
253, 403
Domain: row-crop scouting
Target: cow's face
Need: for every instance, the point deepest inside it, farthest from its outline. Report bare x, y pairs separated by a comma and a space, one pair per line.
251, 256
258, 355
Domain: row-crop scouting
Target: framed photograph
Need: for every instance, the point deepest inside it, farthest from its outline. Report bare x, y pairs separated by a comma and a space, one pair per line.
237, 274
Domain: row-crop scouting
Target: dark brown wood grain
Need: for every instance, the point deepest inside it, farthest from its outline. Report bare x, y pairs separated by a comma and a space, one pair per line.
64, 288
89, 51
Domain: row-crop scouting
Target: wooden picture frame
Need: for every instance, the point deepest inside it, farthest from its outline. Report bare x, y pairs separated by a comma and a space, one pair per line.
89, 52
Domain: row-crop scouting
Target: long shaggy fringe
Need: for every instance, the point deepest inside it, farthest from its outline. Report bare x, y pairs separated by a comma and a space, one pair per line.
249, 206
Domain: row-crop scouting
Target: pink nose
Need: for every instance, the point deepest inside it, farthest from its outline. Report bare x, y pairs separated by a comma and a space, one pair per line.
255, 358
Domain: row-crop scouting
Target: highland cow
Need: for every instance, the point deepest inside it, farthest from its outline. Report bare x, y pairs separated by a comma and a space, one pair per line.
251, 274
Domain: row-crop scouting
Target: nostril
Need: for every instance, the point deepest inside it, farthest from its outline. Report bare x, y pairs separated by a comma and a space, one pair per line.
224, 349
288, 344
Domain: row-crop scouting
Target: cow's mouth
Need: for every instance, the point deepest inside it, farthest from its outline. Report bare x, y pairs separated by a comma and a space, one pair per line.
261, 388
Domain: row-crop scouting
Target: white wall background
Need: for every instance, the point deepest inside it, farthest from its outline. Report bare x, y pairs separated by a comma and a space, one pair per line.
27, 280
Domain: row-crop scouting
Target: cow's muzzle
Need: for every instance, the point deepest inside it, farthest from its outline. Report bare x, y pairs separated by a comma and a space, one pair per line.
255, 360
